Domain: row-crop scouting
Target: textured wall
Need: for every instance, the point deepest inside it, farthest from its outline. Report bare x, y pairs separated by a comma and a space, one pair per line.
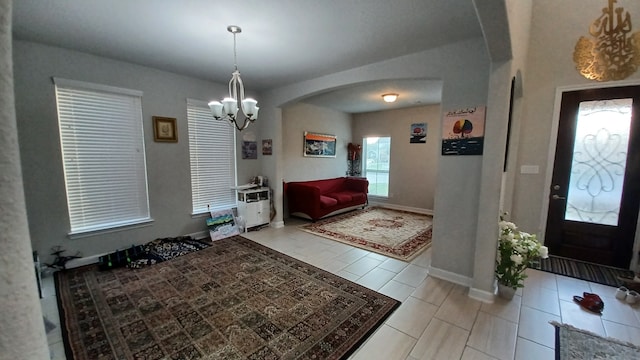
21, 327
297, 119
412, 178
168, 169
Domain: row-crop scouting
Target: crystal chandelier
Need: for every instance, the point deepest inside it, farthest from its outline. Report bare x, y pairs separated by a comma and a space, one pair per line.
228, 108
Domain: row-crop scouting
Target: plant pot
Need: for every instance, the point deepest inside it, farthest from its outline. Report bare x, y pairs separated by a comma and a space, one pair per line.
506, 292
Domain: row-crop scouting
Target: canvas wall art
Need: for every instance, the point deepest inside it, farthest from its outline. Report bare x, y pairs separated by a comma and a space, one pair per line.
463, 131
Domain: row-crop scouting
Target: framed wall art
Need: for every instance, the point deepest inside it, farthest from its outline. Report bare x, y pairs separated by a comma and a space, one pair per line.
164, 129
267, 147
463, 131
418, 133
319, 145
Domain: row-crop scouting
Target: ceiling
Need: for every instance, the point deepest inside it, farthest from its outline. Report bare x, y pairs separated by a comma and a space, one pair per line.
282, 41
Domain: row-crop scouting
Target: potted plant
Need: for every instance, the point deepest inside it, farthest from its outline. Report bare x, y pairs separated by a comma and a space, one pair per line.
517, 250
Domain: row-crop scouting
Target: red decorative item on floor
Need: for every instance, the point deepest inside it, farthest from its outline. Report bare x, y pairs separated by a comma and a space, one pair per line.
590, 301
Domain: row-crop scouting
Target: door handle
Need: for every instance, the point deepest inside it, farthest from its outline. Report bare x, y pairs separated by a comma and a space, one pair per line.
557, 197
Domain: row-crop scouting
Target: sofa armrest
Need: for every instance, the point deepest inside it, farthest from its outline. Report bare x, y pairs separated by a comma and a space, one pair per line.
303, 197
357, 184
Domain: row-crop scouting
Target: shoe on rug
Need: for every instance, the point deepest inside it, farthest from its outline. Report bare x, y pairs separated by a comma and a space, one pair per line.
591, 302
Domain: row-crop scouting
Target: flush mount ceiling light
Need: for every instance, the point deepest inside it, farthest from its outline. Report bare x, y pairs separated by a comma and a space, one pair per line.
228, 108
389, 97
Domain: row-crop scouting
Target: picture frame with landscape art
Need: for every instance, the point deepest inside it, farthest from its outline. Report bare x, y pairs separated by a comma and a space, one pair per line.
319, 145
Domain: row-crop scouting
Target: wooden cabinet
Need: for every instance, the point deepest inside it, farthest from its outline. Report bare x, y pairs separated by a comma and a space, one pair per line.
254, 207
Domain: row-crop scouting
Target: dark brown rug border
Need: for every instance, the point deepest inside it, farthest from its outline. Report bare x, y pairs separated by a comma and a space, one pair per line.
65, 333
63, 315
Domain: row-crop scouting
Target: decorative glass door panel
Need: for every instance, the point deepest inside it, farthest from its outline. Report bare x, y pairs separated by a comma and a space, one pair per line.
599, 158
594, 197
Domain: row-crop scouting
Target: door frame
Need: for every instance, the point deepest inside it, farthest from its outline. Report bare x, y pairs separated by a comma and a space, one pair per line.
553, 138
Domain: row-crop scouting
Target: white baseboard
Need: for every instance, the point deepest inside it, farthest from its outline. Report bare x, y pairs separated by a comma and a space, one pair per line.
87, 260
482, 295
400, 207
199, 235
450, 277
477, 294
277, 224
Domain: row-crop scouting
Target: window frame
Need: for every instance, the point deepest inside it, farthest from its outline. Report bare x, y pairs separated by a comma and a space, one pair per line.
365, 158
88, 111
211, 130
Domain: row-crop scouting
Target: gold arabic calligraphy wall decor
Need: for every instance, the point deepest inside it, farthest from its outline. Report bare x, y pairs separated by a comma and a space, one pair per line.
613, 52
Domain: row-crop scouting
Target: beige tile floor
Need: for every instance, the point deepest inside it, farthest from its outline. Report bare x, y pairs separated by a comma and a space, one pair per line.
437, 320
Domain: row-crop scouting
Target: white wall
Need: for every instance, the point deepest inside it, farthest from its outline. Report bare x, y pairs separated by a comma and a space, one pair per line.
556, 27
464, 69
168, 172
22, 335
301, 117
413, 172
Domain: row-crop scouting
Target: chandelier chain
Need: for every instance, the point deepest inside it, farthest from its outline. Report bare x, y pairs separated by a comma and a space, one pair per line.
235, 54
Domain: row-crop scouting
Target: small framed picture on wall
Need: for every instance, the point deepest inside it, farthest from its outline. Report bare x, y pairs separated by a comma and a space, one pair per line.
164, 129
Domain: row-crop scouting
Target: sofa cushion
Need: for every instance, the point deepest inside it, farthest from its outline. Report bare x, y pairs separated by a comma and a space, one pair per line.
326, 201
359, 197
343, 197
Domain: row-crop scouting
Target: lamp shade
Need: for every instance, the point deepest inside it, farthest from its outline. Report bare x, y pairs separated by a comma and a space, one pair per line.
230, 106
250, 108
216, 109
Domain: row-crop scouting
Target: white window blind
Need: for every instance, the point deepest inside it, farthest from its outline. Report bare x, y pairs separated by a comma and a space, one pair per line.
213, 159
103, 155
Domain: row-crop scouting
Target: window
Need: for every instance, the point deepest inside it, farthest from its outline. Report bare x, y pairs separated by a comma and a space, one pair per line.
212, 154
103, 155
376, 153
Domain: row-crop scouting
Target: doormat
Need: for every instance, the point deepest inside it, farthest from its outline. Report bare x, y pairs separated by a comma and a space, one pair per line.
233, 300
573, 344
394, 233
582, 270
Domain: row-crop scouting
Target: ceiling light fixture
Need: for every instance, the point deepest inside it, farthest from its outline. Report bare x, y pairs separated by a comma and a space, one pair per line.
389, 97
228, 109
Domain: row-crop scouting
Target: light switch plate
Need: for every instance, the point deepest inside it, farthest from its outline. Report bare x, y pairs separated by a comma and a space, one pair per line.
529, 169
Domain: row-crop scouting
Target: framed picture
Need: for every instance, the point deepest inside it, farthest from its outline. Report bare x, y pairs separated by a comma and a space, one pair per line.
222, 224
164, 129
418, 133
267, 147
319, 145
249, 150
463, 131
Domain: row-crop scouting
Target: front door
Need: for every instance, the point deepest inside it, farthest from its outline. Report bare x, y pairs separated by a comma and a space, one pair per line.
595, 188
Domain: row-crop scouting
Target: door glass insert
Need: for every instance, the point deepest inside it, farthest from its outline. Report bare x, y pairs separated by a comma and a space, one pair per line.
599, 159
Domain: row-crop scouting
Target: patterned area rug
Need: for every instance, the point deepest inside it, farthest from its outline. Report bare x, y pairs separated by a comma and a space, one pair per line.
600, 274
233, 300
572, 343
394, 233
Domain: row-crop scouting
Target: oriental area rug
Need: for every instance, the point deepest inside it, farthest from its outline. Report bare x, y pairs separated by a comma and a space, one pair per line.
235, 299
573, 343
394, 233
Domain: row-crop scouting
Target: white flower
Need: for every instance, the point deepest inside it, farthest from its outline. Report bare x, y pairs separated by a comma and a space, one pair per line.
516, 259
544, 252
507, 225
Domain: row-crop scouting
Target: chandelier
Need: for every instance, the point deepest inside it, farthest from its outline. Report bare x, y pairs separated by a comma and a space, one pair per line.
228, 108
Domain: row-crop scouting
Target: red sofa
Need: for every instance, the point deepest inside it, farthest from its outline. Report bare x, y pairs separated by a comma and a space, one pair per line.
321, 198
